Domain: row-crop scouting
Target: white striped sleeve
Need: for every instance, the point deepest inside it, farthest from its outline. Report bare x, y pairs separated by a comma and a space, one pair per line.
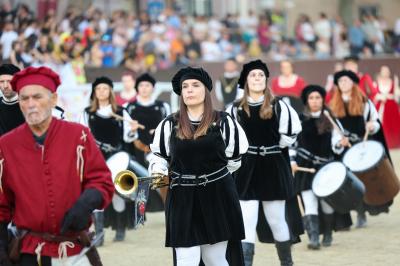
160, 148
129, 134
289, 125
237, 141
370, 110
336, 138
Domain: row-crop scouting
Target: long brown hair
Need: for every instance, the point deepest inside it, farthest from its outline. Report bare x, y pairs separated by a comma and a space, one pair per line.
185, 129
356, 104
94, 102
266, 111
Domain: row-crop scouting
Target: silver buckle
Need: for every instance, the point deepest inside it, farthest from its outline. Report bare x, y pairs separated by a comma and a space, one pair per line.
203, 177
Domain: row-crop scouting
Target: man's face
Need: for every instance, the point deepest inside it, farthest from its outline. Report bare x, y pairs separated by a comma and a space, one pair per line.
128, 82
5, 86
145, 89
36, 103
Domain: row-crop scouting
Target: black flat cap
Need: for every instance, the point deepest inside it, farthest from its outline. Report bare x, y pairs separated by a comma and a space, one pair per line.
9, 69
101, 80
190, 73
145, 77
353, 76
256, 64
312, 88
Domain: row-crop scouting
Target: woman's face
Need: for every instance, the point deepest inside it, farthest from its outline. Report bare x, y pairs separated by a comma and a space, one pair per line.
193, 92
256, 80
385, 72
102, 92
286, 68
345, 84
315, 101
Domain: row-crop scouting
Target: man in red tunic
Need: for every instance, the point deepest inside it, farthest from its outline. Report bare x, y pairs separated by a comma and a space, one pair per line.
52, 176
366, 83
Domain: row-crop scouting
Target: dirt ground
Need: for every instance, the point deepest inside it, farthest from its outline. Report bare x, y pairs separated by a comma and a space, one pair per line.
377, 244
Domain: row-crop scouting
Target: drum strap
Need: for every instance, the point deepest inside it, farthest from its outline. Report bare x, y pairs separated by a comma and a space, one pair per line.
305, 154
178, 179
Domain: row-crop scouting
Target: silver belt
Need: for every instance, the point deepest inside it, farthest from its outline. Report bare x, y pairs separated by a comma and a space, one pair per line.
264, 150
185, 180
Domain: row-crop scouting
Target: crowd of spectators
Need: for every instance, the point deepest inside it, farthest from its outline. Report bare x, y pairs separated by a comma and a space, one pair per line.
90, 38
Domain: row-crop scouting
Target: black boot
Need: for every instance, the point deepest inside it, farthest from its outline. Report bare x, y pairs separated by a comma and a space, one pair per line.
248, 253
120, 227
361, 219
328, 228
284, 252
311, 224
99, 226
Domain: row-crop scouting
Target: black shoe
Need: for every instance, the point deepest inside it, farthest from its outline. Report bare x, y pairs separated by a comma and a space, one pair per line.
284, 252
248, 253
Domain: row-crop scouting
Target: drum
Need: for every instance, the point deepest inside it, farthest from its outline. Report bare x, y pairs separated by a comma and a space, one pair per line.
338, 187
369, 162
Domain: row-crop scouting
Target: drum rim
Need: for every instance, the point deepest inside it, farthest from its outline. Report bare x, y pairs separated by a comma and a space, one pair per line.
374, 165
346, 169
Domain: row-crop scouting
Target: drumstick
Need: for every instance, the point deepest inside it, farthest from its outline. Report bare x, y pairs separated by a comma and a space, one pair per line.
366, 135
304, 169
118, 117
326, 113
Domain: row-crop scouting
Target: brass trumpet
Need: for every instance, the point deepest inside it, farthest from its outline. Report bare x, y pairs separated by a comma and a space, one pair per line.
126, 182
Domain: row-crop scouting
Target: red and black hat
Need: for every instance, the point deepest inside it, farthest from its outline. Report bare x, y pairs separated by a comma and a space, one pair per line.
43, 76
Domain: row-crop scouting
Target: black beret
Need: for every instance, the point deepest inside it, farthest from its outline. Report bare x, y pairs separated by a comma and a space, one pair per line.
145, 77
256, 64
8, 69
190, 73
353, 76
101, 80
309, 89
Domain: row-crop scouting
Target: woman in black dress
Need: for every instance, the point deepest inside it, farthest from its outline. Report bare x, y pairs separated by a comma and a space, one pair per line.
110, 135
265, 180
198, 148
357, 114
316, 145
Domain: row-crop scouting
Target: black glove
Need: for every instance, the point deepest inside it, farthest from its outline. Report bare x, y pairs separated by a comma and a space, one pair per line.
78, 217
4, 258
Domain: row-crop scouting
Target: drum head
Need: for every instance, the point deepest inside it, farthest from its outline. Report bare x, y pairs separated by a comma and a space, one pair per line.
118, 162
363, 156
329, 179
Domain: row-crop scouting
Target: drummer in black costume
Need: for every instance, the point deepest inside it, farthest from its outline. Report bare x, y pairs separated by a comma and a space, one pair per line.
110, 134
265, 180
149, 113
356, 114
200, 148
315, 146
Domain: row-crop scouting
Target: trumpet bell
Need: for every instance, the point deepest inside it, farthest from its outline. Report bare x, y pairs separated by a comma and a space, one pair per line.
126, 183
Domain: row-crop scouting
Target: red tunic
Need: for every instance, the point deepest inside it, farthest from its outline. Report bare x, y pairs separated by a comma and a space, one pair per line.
389, 114
121, 101
294, 91
41, 183
367, 86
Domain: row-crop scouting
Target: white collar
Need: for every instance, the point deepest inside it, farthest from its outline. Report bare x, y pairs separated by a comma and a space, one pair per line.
316, 114
251, 100
346, 98
12, 100
192, 119
104, 111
